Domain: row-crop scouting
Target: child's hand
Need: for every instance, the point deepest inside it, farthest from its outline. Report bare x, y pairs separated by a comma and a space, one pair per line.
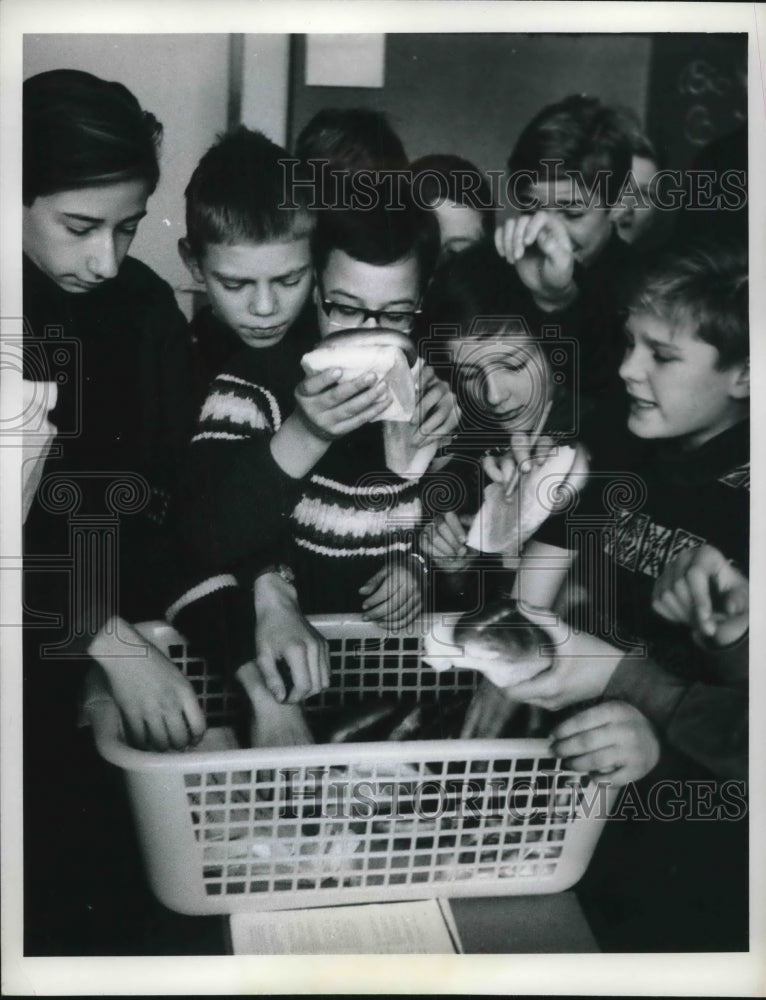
158, 705
393, 595
331, 408
273, 724
436, 411
282, 634
443, 542
488, 712
700, 588
580, 668
612, 739
538, 246
522, 455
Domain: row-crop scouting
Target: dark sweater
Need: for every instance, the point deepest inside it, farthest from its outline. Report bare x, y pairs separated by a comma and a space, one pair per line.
667, 502
125, 410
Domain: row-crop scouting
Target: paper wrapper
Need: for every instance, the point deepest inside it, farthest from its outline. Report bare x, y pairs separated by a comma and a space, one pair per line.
505, 525
402, 457
38, 434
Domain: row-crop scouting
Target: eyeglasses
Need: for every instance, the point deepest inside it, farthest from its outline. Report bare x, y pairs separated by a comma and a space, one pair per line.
347, 316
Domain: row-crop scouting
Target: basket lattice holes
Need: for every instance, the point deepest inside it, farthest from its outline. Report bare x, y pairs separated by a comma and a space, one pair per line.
376, 824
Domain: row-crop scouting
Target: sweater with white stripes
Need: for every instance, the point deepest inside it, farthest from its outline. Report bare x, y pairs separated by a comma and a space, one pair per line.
240, 511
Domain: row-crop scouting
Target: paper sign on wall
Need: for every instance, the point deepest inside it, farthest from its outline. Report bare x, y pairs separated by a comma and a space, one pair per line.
345, 60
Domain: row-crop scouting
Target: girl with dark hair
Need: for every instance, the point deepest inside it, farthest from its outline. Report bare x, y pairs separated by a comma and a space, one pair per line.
81, 131
107, 331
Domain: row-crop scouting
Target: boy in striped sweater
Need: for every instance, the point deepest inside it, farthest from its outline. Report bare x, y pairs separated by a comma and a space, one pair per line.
288, 492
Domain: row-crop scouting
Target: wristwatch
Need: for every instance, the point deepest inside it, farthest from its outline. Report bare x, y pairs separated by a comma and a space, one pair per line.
421, 561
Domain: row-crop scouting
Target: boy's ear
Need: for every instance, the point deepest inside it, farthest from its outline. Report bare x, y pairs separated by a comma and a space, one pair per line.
190, 260
740, 384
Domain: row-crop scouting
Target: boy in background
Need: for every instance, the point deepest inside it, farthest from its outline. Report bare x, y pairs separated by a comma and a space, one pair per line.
566, 174
338, 142
351, 139
638, 221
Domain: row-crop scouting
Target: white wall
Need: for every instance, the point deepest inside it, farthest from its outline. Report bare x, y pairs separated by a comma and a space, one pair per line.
265, 78
183, 80
472, 94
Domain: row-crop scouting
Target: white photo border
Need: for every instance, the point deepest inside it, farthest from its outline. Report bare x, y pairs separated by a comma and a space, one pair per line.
690, 974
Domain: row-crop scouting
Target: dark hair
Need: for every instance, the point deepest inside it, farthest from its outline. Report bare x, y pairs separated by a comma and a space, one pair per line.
472, 295
237, 191
444, 177
703, 284
81, 131
640, 143
379, 236
584, 135
471, 284
351, 139
339, 142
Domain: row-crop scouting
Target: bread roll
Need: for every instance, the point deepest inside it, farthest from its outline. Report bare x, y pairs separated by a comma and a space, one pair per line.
388, 353
501, 632
500, 642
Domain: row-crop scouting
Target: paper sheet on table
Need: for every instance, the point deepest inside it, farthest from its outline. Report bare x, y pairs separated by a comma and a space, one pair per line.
506, 525
423, 927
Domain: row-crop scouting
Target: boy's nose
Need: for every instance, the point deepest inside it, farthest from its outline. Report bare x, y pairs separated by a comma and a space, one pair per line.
630, 369
496, 389
370, 323
263, 301
102, 262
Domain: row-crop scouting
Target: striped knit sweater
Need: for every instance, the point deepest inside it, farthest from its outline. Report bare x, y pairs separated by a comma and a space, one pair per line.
336, 527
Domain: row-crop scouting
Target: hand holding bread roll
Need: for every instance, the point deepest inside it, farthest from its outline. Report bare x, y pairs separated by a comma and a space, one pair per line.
392, 357
500, 642
386, 353
330, 409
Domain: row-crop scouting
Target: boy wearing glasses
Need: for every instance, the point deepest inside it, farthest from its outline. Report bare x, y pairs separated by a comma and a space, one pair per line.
288, 491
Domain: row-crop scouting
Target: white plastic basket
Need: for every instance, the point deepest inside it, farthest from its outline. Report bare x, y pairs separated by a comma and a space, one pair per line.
231, 830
